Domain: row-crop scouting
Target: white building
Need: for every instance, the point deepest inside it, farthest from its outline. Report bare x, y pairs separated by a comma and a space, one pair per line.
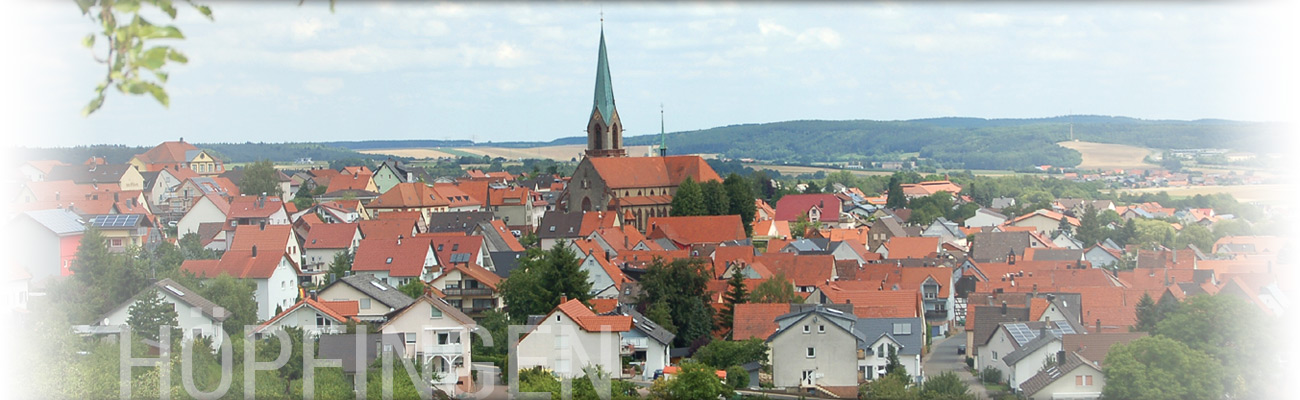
195, 315
571, 339
439, 335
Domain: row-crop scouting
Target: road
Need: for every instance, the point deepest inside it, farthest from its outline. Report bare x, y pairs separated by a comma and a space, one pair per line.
943, 357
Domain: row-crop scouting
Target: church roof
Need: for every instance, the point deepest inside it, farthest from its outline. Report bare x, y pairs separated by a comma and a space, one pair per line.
639, 172
604, 97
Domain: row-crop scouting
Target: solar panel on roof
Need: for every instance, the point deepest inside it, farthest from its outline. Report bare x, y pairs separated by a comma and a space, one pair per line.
113, 221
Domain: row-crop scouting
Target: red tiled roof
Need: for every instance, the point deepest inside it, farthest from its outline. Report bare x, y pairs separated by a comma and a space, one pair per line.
592, 220
793, 206
756, 320
709, 229
456, 243
930, 187
591, 322
386, 228
487, 278
603, 306
407, 258
623, 237
463, 193
349, 181
238, 264
877, 303
901, 247
409, 195
250, 207
340, 311
642, 258
1046, 213
803, 270
498, 196
266, 237
726, 254
511, 241
635, 172
167, 153
330, 236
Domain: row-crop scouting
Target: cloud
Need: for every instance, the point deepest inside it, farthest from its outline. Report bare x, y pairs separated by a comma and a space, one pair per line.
303, 30
323, 86
987, 20
768, 28
820, 37
253, 89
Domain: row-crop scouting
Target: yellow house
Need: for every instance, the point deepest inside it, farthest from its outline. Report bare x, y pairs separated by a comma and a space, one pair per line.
177, 155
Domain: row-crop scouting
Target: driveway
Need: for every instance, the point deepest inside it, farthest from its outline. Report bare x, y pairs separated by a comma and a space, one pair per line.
943, 357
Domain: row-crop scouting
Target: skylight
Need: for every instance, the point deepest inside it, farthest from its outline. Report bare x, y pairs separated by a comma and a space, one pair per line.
390, 261
174, 290
377, 285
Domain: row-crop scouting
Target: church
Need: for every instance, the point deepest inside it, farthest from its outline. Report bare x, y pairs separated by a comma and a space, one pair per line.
636, 188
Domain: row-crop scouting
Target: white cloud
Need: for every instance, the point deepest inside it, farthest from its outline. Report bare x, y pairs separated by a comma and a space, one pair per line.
307, 29
987, 20
323, 86
253, 89
771, 28
820, 37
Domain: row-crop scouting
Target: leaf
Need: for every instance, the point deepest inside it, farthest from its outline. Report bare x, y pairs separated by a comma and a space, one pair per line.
177, 56
166, 6
85, 6
158, 94
127, 6
154, 58
162, 76
207, 12
94, 105
88, 41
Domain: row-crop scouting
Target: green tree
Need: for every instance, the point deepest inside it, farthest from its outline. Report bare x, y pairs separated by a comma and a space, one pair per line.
740, 194
693, 381
1089, 227
737, 377
260, 177
812, 188
413, 288
736, 293
1231, 331
689, 200
191, 248
715, 198
340, 265
236, 296
895, 198
150, 313
1194, 234
541, 279
801, 226
1153, 231
889, 387
1147, 314
723, 354
683, 285
1157, 367
776, 289
128, 47
946, 386
661, 314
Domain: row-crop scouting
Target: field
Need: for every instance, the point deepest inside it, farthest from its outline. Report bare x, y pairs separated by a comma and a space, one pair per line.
413, 153
798, 169
559, 153
1268, 193
1109, 156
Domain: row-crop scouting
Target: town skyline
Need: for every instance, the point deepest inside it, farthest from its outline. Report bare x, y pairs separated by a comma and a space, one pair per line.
448, 71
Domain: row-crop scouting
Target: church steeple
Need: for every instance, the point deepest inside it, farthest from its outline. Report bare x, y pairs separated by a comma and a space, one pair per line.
604, 129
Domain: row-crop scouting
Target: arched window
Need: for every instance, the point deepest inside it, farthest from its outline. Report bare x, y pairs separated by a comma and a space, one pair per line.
595, 138
586, 204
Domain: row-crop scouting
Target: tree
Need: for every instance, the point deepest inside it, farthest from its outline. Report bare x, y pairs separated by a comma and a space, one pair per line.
260, 177
1157, 367
542, 278
413, 288
776, 289
128, 47
693, 381
812, 187
1064, 226
150, 313
689, 200
1089, 226
1147, 314
191, 248
740, 194
1232, 332
715, 198
946, 386
895, 198
736, 294
1194, 234
662, 315
236, 296
340, 265
683, 285
889, 387
723, 354
737, 377
800, 227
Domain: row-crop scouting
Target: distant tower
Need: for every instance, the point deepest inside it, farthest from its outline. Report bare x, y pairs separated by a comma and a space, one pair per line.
663, 143
604, 129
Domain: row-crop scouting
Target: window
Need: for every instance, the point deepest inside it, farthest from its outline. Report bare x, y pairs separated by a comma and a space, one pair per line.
115, 242
806, 329
434, 312
903, 329
812, 353
410, 337
995, 355
365, 304
821, 328
1083, 380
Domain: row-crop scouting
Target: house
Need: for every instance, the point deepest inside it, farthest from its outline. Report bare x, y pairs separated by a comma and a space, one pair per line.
122, 231
684, 232
344, 347
437, 334
375, 299
457, 221
903, 337
756, 320
195, 315
604, 276
1044, 221
273, 271
572, 338
49, 238
882, 230
254, 210
391, 172
805, 272
181, 197
641, 186
983, 320
810, 343
209, 208
122, 175
324, 242
1070, 376
999, 246
927, 188
1103, 257
985, 217
469, 287
1021, 340
37, 170
823, 209
945, 230
513, 205
909, 247
315, 317
647, 342
396, 261
416, 196
175, 155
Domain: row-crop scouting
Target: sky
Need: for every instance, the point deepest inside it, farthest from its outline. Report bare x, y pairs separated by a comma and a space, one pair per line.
512, 71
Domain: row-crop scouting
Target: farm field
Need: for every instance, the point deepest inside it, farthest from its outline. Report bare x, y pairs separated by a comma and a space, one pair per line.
1265, 193
1109, 156
798, 169
413, 153
558, 153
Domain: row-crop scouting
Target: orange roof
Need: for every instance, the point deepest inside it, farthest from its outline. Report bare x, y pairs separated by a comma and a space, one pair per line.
167, 153
386, 228
404, 258
901, 247
930, 187
603, 306
239, 264
266, 237
456, 243
330, 236
636, 172
511, 241
340, 311
591, 322
725, 254
858, 234
592, 220
349, 181
251, 207
877, 303
641, 258
589, 247
1115, 307
756, 320
1046, 213
1262, 244
623, 237
793, 206
462, 194
518, 196
487, 278
1037, 306
409, 195
697, 229
763, 209
803, 270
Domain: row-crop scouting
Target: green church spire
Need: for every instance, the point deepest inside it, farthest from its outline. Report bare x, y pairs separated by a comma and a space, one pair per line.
604, 98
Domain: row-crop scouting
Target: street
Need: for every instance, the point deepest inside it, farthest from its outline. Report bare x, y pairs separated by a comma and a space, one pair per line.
943, 357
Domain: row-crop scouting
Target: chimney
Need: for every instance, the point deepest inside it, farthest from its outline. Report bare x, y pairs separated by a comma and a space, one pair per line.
313, 295
115, 197
1029, 299
56, 196
254, 250
565, 299
1060, 357
1042, 332
1004, 308
261, 226
1098, 325
399, 240
1035, 286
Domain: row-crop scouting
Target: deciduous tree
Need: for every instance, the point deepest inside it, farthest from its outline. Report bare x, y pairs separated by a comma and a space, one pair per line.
260, 177
1157, 367
776, 289
682, 285
689, 200
150, 313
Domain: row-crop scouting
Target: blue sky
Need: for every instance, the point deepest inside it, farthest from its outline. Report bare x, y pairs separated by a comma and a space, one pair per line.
511, 71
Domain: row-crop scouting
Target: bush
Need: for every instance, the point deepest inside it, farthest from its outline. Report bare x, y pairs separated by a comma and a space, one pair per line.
970, 362
737, 377
991, 375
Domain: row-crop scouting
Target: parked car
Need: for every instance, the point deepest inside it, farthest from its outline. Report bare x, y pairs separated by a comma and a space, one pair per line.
961, 350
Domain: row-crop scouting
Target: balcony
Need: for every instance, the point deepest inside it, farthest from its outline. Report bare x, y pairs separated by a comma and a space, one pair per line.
468, 292
441, 349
